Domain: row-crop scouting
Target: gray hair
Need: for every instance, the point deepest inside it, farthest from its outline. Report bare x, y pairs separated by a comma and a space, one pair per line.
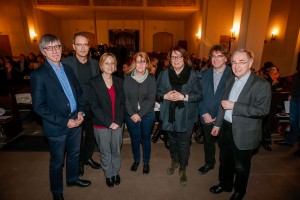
47, 39
250, 54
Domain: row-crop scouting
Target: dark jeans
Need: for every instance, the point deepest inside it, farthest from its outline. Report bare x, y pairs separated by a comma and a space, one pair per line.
140, 133
233, 162
179, 143
60, 146
88, 142
209, 144
291, 137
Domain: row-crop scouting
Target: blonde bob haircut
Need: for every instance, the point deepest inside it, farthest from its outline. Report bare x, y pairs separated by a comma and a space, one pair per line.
103, 58
143, 56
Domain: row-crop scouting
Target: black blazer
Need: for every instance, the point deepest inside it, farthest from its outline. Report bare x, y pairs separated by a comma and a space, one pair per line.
49, 100
101, 104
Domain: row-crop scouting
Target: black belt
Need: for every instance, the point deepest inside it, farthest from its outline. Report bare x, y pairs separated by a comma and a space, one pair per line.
227, 122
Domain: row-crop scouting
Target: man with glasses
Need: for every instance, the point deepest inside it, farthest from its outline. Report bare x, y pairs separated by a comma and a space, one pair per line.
57, 98
245, 102
214, 82
84, 68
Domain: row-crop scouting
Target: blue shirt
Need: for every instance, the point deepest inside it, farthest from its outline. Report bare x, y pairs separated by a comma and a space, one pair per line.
61, 75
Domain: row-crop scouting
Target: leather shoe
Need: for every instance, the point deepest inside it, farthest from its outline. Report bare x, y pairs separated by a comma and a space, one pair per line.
93, 164
283, 143
110, 182
267, 147
117, 180
204, 169
79, 183
146, 169
216, 189
58, 197
297, 153
81, 169
134, 166
237, 196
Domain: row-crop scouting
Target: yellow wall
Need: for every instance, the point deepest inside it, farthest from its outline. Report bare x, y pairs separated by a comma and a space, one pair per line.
219, 22
282, 52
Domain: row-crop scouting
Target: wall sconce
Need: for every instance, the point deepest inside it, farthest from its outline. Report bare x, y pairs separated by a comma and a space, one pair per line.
33, 36
198, 36
232, 35
273, 36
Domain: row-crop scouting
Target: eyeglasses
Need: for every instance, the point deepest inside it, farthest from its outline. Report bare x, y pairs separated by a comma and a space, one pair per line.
217, 57
141, 62
176, 57
50, 48
82, 45
241, 63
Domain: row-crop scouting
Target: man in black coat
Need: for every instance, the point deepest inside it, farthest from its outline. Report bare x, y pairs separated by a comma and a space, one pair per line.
84, 68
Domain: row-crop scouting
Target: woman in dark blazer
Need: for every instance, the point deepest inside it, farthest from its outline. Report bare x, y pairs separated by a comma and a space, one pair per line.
107, 99
140, 92
179, 91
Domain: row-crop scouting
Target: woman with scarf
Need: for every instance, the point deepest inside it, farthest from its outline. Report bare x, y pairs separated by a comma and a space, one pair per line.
179, 90
140, 92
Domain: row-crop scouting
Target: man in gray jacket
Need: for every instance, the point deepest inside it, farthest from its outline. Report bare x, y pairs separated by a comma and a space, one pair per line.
245, 102
84, 68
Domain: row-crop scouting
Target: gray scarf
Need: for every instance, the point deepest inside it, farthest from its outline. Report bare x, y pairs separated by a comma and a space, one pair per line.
139, 79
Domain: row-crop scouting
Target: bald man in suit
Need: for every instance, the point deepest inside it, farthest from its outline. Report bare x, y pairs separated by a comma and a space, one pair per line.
245, 102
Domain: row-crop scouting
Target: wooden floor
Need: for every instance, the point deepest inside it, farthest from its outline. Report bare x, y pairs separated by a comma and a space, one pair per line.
274, 176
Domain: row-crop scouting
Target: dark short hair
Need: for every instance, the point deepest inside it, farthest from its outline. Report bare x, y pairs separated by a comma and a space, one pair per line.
184, 54
82, 34
220, 48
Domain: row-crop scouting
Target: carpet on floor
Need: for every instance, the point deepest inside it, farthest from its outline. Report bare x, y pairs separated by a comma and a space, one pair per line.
27, 143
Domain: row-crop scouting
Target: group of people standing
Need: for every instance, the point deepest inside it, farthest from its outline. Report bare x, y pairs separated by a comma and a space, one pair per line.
78, 92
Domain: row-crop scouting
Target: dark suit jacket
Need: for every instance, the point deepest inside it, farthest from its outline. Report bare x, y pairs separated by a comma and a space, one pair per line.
49, 99
211, 101
101, 104
252, 105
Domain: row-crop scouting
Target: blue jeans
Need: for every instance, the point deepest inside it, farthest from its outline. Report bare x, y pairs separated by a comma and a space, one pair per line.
60, 146
140, 133
294, 121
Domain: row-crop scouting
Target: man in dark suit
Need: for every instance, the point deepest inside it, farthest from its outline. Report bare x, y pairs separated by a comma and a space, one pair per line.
84, 68
245, 102
57, 98
214, 82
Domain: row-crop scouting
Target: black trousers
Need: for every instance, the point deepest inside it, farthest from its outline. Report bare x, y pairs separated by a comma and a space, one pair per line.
88, 140
209, 144
179, 144
234, 163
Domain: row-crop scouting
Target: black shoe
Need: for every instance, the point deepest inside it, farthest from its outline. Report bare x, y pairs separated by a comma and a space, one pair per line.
156, 135
204, 169
58, 197
267, 147
109, 182
297, 153
81, 168
117, 180
93, 164
134, 166
79, 183
237, 196
283, 143
218, 189
146, 169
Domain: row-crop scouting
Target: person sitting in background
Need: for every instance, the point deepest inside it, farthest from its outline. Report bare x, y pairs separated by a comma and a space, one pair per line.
270, 72
10, 73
